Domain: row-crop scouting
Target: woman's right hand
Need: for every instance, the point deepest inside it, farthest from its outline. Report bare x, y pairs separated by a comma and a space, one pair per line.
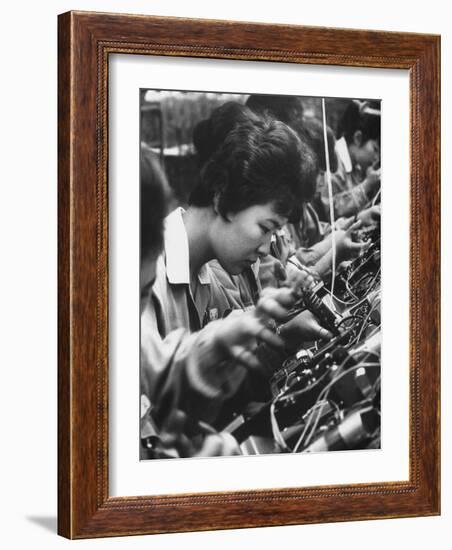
372, 181
346, 248
231, 342
237, 336
305, 327
370, 215
174, 442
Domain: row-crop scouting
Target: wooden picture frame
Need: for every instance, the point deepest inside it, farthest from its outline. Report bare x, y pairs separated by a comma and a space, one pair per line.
85, 42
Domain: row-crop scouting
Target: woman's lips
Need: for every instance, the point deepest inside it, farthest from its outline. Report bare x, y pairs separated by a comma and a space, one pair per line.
249, 262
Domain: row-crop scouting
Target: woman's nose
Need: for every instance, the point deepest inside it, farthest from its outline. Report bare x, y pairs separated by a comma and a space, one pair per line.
264, 247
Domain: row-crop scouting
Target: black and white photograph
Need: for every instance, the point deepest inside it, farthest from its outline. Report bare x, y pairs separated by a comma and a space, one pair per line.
259, 274
226, 252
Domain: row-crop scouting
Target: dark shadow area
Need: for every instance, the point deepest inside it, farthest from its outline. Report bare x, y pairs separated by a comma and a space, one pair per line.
46, 522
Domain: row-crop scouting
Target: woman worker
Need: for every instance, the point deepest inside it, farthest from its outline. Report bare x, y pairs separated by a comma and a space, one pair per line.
247, 189
309, 238
357, 179
182, 373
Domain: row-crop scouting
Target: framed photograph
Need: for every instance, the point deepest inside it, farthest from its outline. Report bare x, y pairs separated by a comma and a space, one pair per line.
200, 162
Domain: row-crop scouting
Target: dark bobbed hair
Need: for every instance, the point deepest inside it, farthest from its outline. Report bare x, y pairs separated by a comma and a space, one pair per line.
289, 109
210, 133
250, 160
154, 198
310, 130
354, 119
282, 107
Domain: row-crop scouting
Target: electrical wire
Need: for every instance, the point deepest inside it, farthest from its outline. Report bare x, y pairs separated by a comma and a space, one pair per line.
348, 319
349, 290
311, 411
276, 431
320, 396
361, 265
376, 197
324, 393
303, 390
314, 414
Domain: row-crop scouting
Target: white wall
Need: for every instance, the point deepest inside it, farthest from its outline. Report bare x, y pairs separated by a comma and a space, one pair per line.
28, 300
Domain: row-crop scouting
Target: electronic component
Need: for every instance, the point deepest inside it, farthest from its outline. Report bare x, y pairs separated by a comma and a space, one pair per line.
356, 428
318, 301
290, 371
326, 396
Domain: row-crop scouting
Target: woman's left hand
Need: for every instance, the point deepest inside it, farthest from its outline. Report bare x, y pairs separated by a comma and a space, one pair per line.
346, 248
174, 441
370, 215
303, 328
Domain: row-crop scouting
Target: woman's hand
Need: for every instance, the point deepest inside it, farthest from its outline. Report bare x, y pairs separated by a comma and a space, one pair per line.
182, 437
220, 444
301, 279
237, 336
228, 344
303, 328
225, 345
372, 181
370, 215
346, 248
274, 303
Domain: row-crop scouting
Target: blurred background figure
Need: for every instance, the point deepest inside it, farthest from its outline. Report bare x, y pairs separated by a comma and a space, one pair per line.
357, 179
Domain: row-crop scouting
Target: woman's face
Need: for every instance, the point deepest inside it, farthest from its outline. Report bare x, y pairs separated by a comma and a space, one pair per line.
244, 236
365, 154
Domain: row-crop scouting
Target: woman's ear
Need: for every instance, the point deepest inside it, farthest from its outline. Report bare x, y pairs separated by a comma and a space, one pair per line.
216, 208
358, 138
215, 203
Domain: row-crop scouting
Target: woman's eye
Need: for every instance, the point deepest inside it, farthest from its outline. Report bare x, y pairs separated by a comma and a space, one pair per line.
264, 229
